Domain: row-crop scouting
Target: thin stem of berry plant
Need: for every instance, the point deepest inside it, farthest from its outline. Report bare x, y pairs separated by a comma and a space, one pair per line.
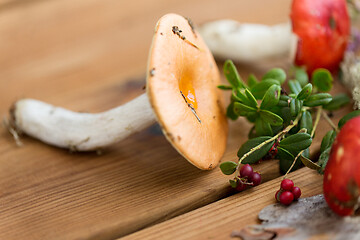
331, 123
317, 119
280, 134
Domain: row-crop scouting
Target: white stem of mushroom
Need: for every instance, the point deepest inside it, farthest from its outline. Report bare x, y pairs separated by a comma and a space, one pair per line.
81, 131
249, 43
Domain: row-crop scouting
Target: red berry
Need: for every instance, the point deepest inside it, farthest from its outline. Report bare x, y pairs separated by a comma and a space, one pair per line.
277, 195
255, 178
286, 197
297, 192
246, 171
287, 184
241, 186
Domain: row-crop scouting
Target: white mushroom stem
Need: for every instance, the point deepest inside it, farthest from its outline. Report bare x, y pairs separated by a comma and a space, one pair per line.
249, 43
81, 131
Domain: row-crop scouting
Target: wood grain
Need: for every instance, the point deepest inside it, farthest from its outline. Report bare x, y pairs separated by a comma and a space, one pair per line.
90, 55
219, 219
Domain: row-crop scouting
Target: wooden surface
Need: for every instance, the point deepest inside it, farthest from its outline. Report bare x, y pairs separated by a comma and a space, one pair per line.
90, 55
219, 219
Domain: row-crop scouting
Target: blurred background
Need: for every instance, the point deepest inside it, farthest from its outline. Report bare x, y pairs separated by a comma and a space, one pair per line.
79, 53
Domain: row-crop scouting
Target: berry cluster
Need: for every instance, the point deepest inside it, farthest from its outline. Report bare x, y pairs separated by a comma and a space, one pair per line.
247, 177
287, 193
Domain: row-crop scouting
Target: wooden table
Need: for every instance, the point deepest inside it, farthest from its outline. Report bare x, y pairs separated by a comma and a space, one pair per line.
90, 55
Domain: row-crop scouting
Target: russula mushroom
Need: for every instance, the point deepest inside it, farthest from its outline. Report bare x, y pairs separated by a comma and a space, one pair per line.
316, 37
181, 95
341, 177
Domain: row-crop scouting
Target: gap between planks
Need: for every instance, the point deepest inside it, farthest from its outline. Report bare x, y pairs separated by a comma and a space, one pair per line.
219, 219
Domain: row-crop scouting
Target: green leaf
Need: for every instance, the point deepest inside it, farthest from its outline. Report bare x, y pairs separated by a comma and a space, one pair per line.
252, 80
258, 154
284, 154
232, 75
337, 102
228, 168
263, 128
323, 159
305, 92
233, 183
306, 153
260, 88
310, 164
275, 73
295, 143
271, 97
301, 76
318, 99
328, 140
284, 101
252, 117
295, 86
252, 100
224, 87
347, 117
322, 79
286, 159
277, 129
295, 107
292, 95
240, 96
306, 121
286, 115
272, 118
242, 109
230, 112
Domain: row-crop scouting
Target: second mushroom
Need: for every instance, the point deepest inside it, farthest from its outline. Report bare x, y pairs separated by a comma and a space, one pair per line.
316, 37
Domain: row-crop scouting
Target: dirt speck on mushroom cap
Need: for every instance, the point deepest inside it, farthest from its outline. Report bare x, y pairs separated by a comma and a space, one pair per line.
184, 94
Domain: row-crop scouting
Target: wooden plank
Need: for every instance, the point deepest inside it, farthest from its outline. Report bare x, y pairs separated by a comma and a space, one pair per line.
59, 45
219, 219
90, 55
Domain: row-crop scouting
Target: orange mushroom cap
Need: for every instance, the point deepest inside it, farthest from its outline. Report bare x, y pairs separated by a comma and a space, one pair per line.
181, 86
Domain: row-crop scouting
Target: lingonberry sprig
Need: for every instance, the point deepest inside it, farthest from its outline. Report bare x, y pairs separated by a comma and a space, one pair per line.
317, 119
246, 177
282, 117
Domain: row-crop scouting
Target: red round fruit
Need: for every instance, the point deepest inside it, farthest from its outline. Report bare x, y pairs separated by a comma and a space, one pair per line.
287, 184
241, 186
323, 29
277, 195
297, 192
341, 177
246, 171
255, 178
286, 198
